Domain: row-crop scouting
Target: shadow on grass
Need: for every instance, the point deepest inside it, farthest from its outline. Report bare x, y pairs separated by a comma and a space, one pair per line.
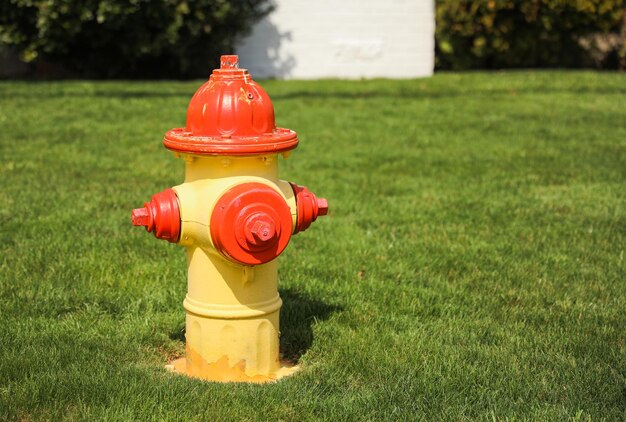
297, 316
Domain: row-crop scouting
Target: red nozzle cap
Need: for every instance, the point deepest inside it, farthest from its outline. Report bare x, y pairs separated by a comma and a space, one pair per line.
161, 215
309, 207
251, 224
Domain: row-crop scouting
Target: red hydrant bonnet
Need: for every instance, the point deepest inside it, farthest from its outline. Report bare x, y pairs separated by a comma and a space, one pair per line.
230, 115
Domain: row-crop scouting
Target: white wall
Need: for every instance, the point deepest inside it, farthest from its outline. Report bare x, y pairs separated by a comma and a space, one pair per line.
307, 39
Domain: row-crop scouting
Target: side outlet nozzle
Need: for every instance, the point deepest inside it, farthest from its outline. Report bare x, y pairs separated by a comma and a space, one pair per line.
161, 216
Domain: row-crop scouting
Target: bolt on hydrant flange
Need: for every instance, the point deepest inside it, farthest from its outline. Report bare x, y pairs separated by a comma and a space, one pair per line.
234, 217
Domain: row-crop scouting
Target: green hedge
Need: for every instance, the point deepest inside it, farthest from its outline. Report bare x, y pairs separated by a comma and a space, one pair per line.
488, 34
183, 38
127, 38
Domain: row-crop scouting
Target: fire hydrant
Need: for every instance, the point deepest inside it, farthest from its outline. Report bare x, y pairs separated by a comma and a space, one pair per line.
234, 217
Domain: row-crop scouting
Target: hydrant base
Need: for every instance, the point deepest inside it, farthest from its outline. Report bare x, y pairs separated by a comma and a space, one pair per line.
221, 371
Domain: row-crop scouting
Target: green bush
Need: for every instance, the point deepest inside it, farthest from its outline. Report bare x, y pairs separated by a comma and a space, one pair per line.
479, 34
127, 38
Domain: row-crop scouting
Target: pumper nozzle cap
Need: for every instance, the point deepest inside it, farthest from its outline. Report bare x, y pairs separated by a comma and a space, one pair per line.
251, 224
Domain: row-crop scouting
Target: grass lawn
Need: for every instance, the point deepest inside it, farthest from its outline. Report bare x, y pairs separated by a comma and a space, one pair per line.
472, 265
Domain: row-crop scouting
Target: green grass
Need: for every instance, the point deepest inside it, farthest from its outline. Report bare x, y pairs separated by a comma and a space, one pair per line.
472, 266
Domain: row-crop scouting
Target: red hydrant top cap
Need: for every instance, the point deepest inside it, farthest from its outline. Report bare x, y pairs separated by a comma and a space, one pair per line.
230, 115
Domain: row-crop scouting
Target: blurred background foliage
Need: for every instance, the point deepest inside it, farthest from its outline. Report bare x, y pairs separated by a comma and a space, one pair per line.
496, 34
126, 38
184, 38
